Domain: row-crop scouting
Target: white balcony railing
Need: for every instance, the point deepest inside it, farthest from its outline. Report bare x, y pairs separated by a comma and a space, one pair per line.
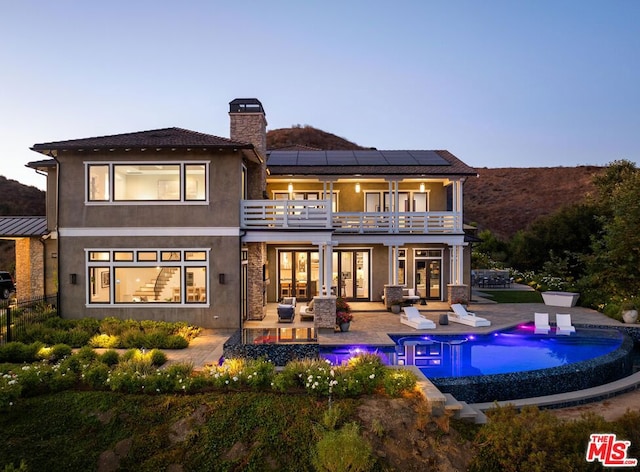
315, 214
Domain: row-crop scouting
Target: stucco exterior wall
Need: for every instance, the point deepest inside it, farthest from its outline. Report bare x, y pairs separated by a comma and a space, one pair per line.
225, 175
224, 299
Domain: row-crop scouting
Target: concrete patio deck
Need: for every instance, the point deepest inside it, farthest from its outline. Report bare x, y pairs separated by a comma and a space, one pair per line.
372, 322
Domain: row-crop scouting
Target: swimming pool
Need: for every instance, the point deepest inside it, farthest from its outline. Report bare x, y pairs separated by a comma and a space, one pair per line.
509, 364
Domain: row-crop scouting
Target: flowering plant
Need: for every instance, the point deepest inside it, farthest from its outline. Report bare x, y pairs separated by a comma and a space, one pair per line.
343, 311
459, 301
343, 317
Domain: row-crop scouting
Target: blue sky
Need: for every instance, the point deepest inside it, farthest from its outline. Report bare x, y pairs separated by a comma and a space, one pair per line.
498, 83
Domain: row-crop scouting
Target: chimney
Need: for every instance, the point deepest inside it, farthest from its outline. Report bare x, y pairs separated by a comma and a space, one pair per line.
249, 123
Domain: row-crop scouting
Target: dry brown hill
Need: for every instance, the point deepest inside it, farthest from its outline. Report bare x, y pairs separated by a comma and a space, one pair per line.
308, 136
509, 199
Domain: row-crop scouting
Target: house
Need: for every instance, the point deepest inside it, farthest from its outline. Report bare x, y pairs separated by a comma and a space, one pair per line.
177, 225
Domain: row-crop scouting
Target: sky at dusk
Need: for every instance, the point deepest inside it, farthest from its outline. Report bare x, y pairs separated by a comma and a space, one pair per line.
498, 83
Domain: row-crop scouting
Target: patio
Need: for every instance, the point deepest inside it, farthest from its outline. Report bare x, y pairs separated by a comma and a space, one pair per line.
372, 322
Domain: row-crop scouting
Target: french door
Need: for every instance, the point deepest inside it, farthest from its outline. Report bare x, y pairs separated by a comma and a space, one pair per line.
298, 273
428, 278
351, 274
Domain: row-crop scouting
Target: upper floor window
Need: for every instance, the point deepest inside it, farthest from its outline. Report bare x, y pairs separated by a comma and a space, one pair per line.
407, 201
152, 182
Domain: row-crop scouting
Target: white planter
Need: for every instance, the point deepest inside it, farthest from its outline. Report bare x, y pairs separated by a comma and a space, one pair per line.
566, 299
630, 316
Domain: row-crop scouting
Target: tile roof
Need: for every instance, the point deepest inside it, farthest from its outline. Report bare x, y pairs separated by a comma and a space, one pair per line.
20, 226
367, 162
158, 138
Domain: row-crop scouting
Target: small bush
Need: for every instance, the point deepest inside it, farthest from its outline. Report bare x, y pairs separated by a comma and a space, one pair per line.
398, 381
157, 357
86, 354
133, 338
55, 353
17, 352
534, 440
96, 375
174, 341
343, 450
108, 341
109, 357
10, 390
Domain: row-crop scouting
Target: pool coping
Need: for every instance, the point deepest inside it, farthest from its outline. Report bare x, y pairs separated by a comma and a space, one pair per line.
572, 398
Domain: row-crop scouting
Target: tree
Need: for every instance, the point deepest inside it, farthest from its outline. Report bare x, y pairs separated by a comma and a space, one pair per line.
566, 234
614, 269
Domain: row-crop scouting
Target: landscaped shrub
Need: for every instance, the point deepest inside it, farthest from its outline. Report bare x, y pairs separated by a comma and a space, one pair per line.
96, 375
242, 373
86, 354
109, 357
343, 450
535, 440
398, 381
17, 352
105, 341
133, 338
54, 353
175, 341
10, 389
367, 370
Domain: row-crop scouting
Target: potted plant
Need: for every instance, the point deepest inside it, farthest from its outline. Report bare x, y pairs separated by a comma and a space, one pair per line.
629, 311
343, 314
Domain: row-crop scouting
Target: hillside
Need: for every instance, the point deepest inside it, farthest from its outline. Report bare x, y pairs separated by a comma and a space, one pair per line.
308, 136
17, 200
509, 199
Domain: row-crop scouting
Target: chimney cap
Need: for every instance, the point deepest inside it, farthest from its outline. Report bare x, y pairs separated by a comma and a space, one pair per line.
245, 105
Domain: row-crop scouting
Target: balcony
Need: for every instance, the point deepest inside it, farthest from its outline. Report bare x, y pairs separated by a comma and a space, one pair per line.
317, 214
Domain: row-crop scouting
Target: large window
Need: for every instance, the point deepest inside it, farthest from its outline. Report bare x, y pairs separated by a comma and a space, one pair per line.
407, 202
151, 182
171, 276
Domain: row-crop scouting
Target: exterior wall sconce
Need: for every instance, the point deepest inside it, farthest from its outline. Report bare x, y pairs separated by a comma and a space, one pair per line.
358, 187
221, 279
73, 279
422, 187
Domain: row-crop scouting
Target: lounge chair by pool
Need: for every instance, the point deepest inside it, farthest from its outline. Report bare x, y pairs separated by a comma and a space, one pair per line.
542, 323
412, 317
462, 316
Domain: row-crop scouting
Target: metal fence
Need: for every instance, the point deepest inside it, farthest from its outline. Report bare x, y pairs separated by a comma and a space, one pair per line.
17, 315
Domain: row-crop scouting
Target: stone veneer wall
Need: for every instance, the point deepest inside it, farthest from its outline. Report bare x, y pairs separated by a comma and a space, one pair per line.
324, 312
257, 256
279, 354
457, 293
29, 268
392, 293
252, 128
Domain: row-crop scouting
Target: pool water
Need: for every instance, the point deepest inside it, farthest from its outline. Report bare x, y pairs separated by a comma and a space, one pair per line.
513, 350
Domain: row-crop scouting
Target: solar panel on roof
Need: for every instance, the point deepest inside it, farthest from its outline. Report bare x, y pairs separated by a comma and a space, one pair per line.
372, 160
369, 157
340, 158
312, 159
283, 158
399, 158
428, 158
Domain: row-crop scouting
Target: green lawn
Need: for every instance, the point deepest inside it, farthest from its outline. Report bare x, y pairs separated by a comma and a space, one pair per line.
514, 296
